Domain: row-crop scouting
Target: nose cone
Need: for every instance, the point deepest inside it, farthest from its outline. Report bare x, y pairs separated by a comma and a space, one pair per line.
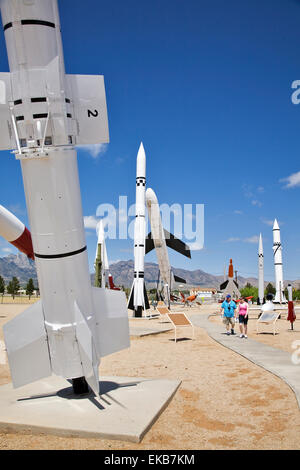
276, 226
100, 230
230, 269
260, 245
151, 197
141, 162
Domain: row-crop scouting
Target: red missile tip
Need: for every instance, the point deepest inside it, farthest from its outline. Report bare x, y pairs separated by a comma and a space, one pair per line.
24, 244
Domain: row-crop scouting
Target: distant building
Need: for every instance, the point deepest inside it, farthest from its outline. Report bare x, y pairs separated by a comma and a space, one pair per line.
204, 292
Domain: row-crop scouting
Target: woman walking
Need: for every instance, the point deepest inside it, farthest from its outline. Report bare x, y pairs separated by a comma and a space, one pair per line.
243, 317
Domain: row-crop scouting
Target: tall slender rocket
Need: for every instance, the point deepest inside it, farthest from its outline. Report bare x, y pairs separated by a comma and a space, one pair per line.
159, 239
101, 260
44, 113
138, 300
261, 284
277, 251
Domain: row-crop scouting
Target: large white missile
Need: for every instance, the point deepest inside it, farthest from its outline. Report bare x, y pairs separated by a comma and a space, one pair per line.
159, 238
15, 232
261, 283
43, 114
277, 251
138, 300
101, 259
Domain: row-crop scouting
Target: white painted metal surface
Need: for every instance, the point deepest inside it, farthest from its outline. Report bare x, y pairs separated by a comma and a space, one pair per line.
102, 246
11, 228
277, 251
49, 112
159, 241
261, 284
137, 300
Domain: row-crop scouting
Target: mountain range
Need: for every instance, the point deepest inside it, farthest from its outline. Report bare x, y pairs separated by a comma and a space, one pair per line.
21, 267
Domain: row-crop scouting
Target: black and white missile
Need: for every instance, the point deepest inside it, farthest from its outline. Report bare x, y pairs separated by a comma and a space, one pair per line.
261, 283
277, 251
138, 300
101, 259
44, 113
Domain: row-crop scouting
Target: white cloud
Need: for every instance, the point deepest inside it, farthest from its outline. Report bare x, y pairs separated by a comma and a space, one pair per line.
291, 181
232, 239
94, 150
253, 239
267, 221
7, 250
270, 222
16, 209
90, 222
261, 189
247, 190
238, 212
255, 202
196, 246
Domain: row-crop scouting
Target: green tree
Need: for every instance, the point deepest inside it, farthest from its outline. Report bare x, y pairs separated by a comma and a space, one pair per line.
2, 285
13, 287
29, 288
270, 289
249, 291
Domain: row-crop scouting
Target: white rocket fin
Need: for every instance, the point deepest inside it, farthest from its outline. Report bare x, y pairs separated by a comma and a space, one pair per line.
90, 112
87, 351
111, 320
6, 133
27, 346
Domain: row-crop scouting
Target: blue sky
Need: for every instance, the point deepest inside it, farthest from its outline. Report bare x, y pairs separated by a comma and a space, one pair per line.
206, 85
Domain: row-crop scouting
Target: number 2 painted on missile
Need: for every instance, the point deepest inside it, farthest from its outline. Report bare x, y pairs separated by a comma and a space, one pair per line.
93, 113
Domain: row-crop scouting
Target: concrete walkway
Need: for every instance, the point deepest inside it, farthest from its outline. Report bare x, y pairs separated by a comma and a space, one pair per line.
274, 360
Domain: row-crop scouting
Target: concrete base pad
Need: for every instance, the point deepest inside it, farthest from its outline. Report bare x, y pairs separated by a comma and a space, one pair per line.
126, 410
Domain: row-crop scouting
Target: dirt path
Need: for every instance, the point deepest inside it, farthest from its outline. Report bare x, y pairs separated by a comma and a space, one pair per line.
224, 402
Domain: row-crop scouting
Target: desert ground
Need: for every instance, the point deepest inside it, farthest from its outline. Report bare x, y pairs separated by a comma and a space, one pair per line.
224, 401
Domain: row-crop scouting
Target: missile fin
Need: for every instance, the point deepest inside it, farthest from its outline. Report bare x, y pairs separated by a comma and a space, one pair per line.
130, 304
7, 141
179, 279
176, 244
146, 300
149, 243
112, 326
90, 112
87, 351
27, 346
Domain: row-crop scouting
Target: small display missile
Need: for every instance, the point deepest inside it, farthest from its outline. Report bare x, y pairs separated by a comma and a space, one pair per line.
261, 284
138, 300
101, 260
15, 232
277, 251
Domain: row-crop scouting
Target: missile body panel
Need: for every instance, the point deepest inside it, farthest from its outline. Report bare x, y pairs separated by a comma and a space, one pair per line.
44, 113
277, 251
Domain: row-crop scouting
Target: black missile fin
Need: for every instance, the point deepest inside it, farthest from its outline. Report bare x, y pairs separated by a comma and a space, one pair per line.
224, 285
146, 300
179, 279
176, 244
149, 243
130, 305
